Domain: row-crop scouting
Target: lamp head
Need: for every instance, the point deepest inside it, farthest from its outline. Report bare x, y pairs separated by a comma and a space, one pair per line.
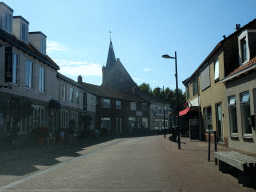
167, 57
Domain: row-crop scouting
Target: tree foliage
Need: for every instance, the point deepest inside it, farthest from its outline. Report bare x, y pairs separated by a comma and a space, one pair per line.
145, 88
169, 95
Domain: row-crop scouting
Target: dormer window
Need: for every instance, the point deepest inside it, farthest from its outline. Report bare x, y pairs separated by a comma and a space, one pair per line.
20, 28
246, 45
6, 14
243, 50
43, 45
38, 40
24, 33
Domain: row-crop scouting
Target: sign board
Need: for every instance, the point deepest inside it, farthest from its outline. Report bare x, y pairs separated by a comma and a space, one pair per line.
139, 113
194, 132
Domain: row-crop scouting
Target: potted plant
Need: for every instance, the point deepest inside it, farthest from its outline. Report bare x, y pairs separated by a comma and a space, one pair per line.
40, 133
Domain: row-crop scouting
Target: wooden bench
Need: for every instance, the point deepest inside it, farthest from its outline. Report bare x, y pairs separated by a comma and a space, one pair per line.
245, 165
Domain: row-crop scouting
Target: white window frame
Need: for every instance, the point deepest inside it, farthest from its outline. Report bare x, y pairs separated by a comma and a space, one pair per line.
244, 35
230, 107
105, 119
216, 69
93, 102
41, 79
118, 104
64, 120
243, 119
105, 106
28, 74
15, 68
77, 97
145, 120
37, 119
71, 94
43, 45
133, 106
63, 92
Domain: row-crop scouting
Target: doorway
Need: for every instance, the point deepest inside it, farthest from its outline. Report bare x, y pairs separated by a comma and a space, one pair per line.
118, 125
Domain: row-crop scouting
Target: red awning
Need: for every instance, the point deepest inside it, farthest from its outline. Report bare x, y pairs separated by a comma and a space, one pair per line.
184, 112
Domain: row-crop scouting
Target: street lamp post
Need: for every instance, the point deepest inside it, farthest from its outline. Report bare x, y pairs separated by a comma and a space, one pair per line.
164, 113
177, 95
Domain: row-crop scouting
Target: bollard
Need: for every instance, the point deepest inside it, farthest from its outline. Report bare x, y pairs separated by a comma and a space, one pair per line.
209, 148
215, 142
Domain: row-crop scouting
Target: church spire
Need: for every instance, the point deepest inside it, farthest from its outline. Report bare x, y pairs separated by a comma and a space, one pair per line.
111, 55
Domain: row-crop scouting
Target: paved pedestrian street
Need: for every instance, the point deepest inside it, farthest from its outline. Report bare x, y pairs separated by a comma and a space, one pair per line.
151, 163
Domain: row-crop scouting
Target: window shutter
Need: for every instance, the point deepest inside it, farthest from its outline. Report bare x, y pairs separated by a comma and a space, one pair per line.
26, 34
10, 23
205, 77
8, 64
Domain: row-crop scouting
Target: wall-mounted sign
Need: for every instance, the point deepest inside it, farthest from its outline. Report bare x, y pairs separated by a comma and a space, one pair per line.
139, 113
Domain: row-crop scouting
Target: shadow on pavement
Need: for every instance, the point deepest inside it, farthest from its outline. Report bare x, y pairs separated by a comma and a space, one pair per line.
35, 161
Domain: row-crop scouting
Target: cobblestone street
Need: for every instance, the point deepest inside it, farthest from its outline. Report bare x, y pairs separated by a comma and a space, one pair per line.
150, 163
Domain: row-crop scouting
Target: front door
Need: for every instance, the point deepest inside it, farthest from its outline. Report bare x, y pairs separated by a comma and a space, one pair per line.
118, 125
219, 122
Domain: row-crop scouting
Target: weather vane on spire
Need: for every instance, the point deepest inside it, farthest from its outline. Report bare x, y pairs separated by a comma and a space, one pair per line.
110, 35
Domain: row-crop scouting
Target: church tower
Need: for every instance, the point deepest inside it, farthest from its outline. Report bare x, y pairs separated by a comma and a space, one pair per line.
114, 74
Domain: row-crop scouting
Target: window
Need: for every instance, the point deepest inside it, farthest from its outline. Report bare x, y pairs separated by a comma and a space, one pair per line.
145, 123
63, 92
133, 106
131, 123
187, 90
156, 123
63, 121
160, 109
38, 116
8, 22
24, 32
144, 106
14, 67
232, 114
165, 109
216, 68
106, 123
71, 94
208, 118
43, 45
93, 101
105, 103
77, 97
245, 113
153, 107
243, 50
74, 116
118, 104
41, 79
29, 74
194, 82
85, 101
205, 77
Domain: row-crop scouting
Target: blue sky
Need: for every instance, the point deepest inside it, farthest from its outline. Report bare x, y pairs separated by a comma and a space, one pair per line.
142, 31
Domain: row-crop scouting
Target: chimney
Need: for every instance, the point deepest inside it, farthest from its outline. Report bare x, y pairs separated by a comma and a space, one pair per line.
80, 79
224, 36
237, 26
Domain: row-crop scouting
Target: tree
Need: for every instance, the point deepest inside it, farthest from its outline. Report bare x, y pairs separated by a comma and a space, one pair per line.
15, 109
87, 121
145, 88
156, 92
